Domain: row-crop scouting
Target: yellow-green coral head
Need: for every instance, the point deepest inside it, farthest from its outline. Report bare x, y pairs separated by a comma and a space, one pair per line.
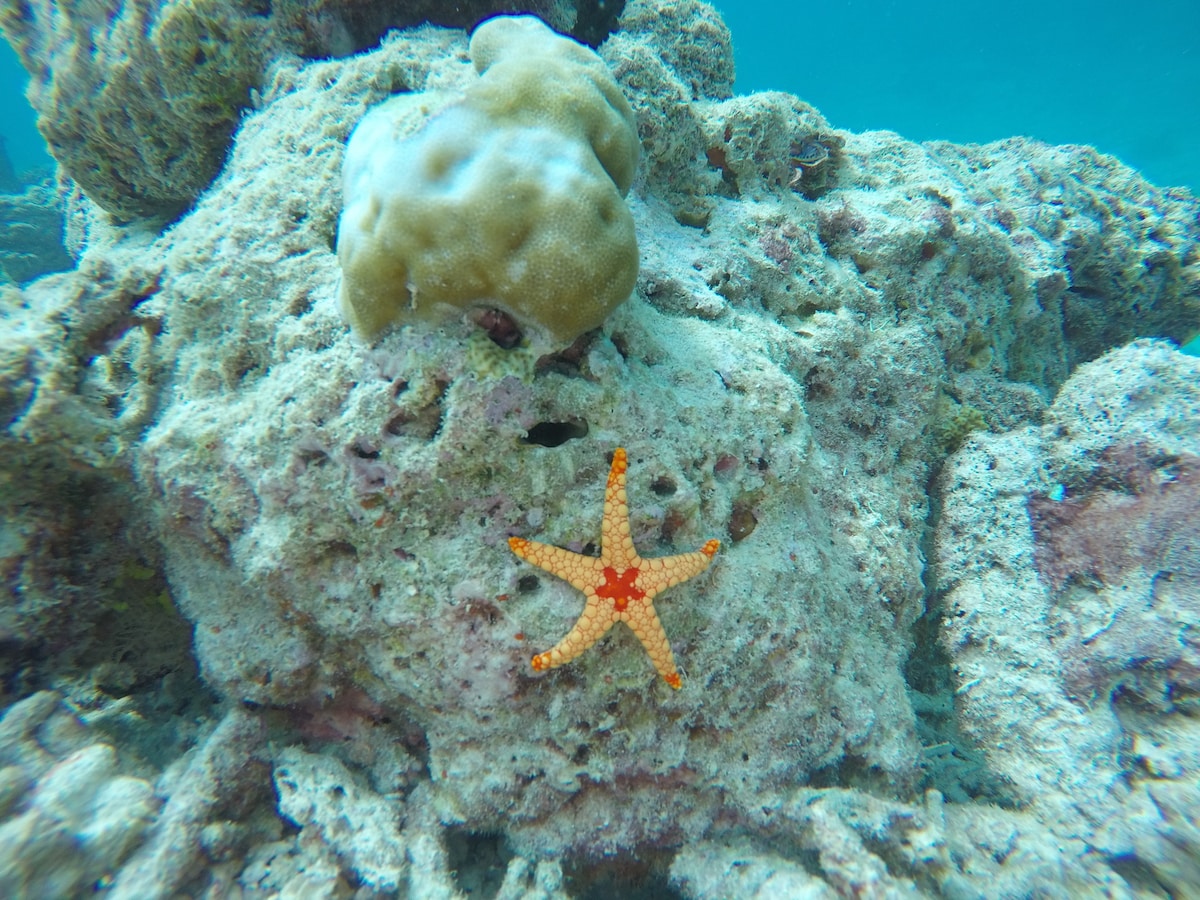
510, 195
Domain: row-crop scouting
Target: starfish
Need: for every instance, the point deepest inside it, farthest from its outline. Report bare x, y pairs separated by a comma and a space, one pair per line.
619, 586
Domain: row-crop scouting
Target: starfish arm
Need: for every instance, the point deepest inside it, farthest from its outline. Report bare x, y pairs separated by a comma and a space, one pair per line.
574, 568
595, 620
616, 543
668, 571
645, 623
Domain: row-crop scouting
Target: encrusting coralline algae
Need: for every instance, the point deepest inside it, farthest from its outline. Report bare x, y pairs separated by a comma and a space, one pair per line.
885, 689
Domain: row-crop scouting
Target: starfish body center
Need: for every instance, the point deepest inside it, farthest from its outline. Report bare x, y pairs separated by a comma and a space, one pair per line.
620, 588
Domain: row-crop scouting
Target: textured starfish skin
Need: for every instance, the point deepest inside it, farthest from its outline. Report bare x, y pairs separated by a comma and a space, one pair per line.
620, 586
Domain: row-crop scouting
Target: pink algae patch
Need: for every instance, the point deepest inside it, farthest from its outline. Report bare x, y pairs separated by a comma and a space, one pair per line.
1139, 508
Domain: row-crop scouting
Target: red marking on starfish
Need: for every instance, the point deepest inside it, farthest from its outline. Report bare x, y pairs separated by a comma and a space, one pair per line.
620, 589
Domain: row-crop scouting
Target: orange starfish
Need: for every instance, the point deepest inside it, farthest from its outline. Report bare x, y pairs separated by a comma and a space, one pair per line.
620, 586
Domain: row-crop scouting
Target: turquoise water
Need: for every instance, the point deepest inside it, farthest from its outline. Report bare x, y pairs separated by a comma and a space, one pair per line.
1122, 77
25, 146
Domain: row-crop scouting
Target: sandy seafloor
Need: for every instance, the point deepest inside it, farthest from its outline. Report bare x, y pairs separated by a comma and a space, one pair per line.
262, 633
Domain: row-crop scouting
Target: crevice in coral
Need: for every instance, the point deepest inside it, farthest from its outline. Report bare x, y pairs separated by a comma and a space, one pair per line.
643, 876
477, 861
952, 763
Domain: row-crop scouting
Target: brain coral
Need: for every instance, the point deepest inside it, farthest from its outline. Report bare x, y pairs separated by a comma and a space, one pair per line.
510, 196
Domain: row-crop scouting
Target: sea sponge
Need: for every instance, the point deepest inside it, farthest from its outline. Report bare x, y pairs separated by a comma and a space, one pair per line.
509, 195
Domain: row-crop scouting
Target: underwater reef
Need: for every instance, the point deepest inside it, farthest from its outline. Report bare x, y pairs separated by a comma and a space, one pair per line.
263, 631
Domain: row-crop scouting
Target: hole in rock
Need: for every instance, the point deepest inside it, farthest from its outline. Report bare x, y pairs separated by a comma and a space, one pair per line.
478, 860
554, 434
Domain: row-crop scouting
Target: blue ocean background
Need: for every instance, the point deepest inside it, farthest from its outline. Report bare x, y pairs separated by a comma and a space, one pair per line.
1123, 77
18, 127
